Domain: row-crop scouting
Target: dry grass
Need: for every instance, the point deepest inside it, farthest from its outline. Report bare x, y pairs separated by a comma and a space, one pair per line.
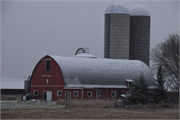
100, 103
90, 113
11, 97
94, 109
88, 103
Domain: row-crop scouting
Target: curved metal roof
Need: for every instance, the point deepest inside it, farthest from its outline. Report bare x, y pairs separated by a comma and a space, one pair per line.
117, 8
89, 71
139, 10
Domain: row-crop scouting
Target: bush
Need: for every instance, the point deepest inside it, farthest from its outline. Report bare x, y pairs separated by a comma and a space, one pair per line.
160, 91
139, 93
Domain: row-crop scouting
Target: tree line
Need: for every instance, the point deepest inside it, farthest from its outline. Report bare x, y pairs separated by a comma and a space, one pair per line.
165, 58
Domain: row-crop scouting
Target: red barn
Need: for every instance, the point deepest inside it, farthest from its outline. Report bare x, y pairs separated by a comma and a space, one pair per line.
84, 76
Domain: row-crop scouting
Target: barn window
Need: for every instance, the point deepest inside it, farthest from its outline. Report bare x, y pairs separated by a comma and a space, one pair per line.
47, 65
113, 93
35, 93
59, 93
89, 94
75, 93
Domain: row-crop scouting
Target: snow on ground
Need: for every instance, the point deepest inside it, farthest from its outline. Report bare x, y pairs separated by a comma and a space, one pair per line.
9, 104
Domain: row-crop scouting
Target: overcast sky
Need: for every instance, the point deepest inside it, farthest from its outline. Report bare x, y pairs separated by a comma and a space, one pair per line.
32, 29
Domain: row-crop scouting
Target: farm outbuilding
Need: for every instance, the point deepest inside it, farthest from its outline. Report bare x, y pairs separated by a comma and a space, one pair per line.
85, 76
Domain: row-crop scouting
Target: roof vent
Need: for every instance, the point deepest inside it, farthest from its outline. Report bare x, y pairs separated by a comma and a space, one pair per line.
84, 53
82, 50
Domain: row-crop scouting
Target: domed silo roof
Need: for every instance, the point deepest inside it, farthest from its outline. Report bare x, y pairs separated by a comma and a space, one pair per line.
117, 8
139, 10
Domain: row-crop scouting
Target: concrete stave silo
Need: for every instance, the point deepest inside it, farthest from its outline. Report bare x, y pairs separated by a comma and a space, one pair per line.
117, 25
139, 33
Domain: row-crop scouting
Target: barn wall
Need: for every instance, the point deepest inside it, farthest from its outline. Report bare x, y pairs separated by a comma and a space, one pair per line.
85, 95
39, 79
72, 90
55, 79
106, 93
53, 89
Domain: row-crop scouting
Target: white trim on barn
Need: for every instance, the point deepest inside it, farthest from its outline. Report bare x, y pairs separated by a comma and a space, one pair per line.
46, 75
94, 86
47, 86
72, 88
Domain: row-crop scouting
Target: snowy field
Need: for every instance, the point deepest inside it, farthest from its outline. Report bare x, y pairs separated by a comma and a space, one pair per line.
14, 104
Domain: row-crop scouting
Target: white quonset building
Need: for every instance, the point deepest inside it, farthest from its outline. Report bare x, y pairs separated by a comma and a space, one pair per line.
127, 32
85, 76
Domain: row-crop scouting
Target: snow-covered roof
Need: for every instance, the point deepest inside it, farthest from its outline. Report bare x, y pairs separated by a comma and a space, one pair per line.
151, 87
123, 95
129, 80
85, 55
12, 83
95, 86
88, 71
117, 8
139, 10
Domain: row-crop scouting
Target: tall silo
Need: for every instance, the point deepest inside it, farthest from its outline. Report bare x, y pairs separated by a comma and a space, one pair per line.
139, 33
117, 25
27, 84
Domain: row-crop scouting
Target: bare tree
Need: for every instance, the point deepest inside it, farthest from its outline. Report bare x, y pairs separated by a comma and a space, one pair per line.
166, 54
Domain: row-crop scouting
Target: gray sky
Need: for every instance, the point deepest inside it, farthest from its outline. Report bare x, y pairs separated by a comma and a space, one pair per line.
32, 29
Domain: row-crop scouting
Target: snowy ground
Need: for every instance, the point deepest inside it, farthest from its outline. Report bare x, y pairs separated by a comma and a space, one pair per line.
12, 104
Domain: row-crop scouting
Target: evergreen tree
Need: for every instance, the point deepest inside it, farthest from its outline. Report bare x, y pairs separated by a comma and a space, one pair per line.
160, 91
139, 93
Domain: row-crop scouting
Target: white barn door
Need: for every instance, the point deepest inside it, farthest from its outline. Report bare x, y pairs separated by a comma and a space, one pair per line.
49, 95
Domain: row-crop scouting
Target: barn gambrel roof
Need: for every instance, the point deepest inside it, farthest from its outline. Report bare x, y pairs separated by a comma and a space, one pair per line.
96, 72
